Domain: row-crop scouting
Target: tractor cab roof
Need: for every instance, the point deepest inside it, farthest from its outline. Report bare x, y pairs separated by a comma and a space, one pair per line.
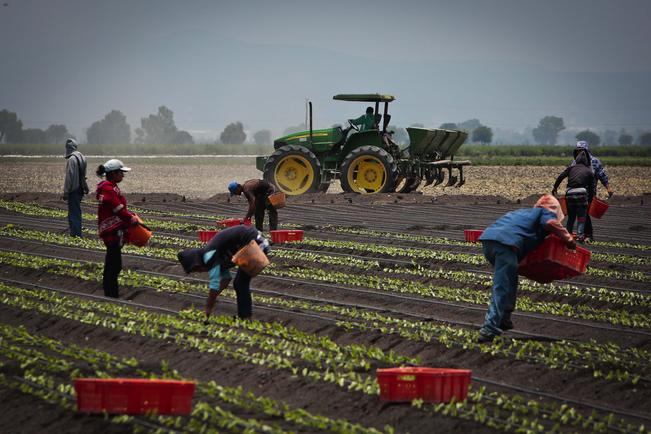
364, 97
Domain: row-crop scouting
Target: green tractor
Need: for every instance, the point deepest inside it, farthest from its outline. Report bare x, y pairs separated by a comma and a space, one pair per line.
364, 161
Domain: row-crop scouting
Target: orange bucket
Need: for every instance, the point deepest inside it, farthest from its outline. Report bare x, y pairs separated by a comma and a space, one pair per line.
277, 199
251, 259
598, 208
138, 235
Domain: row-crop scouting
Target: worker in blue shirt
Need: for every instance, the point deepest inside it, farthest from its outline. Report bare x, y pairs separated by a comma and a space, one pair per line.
505, 243
216, 258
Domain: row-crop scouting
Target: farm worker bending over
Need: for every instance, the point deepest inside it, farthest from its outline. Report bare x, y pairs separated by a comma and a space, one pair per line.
216, 257
257, 193
365, 121
506, 242
580, 191
113, 219
600, 174
75, 186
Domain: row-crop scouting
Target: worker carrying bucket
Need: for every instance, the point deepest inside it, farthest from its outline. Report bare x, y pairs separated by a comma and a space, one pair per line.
506, 242
240, 245
257, 192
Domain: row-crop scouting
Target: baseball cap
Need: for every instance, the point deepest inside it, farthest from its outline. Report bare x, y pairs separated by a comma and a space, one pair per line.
113, 164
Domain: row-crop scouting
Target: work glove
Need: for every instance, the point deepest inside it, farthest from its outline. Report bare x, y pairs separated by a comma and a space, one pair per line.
571, 244
65, 197
134, 220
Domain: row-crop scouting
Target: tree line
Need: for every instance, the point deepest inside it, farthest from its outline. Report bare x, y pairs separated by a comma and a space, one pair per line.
158, 128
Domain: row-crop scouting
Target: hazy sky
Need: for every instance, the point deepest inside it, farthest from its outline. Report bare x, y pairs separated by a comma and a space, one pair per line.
506, 62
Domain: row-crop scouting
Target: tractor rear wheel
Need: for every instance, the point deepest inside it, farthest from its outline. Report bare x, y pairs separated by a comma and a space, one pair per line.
293, 170
368, 169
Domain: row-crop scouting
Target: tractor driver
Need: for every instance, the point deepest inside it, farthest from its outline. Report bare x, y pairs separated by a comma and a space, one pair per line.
365, 121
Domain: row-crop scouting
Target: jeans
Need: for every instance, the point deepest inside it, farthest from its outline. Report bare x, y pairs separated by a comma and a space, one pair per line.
505, 285
74, 212
242, 286
112, 268
262, 203
578, 213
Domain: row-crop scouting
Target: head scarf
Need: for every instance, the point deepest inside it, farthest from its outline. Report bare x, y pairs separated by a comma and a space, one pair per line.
550, 203
71, 146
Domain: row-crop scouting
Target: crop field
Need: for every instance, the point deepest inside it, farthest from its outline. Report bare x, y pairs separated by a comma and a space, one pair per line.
378, 281
203, 177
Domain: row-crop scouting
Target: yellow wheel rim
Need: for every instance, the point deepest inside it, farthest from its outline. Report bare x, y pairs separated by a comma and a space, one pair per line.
294, 174
366, 174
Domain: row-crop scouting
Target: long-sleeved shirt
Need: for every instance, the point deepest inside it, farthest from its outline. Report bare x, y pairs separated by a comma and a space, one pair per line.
75, 170
599, 171
112, 213
525, 229
578, 175
365, 121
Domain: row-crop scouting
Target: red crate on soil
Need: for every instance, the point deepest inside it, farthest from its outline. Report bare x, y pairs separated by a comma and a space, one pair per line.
205, 236
428, 384
134, 396
472, 235
597, 208
229, 222
553, 261
284, 236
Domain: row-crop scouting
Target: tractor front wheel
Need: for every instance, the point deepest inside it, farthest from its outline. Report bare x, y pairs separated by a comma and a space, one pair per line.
293, 169
368, 169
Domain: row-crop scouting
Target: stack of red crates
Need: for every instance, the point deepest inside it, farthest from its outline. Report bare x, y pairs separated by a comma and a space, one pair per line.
134, 396
472, 235
428, 384
552, 260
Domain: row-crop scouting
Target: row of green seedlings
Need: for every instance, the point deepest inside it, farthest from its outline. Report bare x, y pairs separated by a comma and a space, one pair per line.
601, 360
613, 316
38, 210
54, 365
91, 219
618, 259
496, 410
444, 256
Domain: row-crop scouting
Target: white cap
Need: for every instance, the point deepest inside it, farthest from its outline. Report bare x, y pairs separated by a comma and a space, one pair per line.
113, 164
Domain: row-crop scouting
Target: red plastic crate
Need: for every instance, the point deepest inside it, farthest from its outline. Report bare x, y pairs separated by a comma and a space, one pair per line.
229, 222
553, 261
597, 208
284, 236
472, 235
134, 396
428, 384
205, 236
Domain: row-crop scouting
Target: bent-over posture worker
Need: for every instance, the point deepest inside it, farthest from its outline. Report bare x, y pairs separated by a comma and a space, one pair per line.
506, 242
257, 193
216, 258
580, 191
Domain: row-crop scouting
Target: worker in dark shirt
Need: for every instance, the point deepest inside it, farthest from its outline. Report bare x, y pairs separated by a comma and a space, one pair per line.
216, 258
580, 191
257, 193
